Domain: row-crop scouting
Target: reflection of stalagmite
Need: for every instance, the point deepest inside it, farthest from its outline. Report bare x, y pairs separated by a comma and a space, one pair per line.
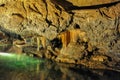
17, 75
72, 36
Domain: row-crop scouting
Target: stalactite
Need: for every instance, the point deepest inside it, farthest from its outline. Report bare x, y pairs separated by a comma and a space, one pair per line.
72, 36
41, 41
65, 38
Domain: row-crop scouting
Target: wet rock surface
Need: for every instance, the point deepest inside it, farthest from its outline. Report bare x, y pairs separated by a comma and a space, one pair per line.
65, 31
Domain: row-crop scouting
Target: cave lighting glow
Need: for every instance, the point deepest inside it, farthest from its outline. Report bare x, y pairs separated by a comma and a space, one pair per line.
5, 54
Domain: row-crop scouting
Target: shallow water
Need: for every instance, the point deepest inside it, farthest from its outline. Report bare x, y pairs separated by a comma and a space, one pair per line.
21, 67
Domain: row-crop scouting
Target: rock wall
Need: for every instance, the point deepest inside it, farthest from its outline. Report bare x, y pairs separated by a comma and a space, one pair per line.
72, 31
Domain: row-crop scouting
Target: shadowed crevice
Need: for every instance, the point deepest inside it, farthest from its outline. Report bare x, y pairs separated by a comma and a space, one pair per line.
10, 34
69, 6
2, 5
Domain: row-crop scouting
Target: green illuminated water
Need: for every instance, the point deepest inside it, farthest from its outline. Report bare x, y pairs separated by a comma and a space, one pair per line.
21, 67
14, 61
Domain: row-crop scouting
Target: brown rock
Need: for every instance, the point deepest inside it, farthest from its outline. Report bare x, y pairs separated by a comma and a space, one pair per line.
98, 20
100, 58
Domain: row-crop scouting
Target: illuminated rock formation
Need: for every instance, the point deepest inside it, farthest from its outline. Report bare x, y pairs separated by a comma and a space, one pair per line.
41, 41
72, 36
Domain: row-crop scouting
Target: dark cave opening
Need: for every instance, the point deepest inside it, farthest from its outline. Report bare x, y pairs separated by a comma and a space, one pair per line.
56, 43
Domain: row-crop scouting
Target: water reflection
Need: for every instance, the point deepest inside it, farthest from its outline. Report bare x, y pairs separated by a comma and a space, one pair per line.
26, 68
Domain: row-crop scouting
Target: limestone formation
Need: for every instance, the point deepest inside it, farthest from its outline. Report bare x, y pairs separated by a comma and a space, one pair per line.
72, 36
71, 31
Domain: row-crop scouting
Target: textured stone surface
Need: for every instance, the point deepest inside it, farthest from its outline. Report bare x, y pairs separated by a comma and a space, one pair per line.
51, 21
